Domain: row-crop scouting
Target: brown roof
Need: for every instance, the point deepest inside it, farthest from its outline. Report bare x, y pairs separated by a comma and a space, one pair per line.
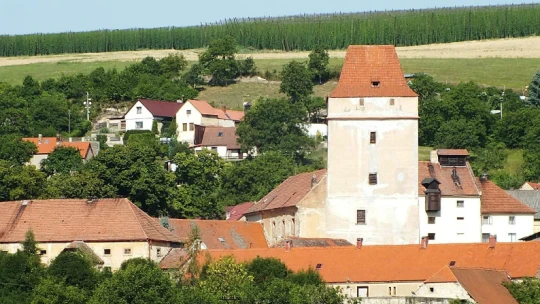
365, 64
220, 136
237, 212
161, 108
67, 220
313, 242
48, 144
289, 193
496, 200
174, 259
485, 285
453, 152
216, 234
467, 182
399, 262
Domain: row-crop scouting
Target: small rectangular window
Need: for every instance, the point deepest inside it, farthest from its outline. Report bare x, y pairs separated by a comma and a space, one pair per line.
512, 237
431, 236
485, 237
373, 178
373, 137
106, 252
460, 204
139, 110
127, 251
158, 252
511, 220
188, 112
214, 149
486, 220
431, 220
42, 252
360, 217
395, 290
460, 218
375, 83
392, 101
191, 126
361, 102
138, 125
389, 291
432, 289
184, 127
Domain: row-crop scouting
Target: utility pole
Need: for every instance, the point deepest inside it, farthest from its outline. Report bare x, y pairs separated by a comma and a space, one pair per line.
87, 105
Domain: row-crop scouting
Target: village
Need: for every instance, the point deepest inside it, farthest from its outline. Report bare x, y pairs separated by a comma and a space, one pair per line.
376, 224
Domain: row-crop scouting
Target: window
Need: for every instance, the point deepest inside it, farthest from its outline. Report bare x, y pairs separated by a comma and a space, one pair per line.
138, 125
485, 237
319, 266
127, 251
106, 252
362, 291
460, 204
158, 252
511, 220
375, 83
486, 220
220, 134
293, 228
283, 228
373, 178
42, 252
372, 137
431, 220
360, 217
214, 148
512, 237
389, 291
188, 112
361, 102
431, 236
394, 290
184, 127
392, 101
460, 218
191, 126
432, 289
139, 110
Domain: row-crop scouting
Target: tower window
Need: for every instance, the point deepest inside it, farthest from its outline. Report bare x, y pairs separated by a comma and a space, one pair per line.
392, 101
373, 178
372, 137
361, 102
360, 217
431, 220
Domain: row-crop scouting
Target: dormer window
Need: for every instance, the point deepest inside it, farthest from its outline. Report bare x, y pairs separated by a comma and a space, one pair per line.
139, 110
433, 194
375, 83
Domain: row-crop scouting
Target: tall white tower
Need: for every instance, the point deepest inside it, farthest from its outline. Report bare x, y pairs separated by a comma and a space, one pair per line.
373, 151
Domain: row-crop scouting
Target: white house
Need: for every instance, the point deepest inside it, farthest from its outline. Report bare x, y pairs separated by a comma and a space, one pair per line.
223, 140
143, 113
449, 198
201, 113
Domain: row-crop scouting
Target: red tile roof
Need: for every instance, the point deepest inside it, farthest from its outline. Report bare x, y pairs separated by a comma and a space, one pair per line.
467, 182
48, 144
453, 152
535, 186
237, 212
485, 285
175, 259
496, 200
161, 108
206, 109
399, 262
365, 64
444, 275
220, 136
235, 115
235, 234
313, 242
289, 193
67, 220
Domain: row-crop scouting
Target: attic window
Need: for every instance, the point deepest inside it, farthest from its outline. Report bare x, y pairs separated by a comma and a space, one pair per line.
221, 240
220, 134
432, 289
158, 252
188, 112
139, 110
375, 83
452, 263
319, 266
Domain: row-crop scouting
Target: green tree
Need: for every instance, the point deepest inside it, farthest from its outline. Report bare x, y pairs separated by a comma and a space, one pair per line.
75, 269
318, 63
458, 134
314, 106
227, 279
534, 90
525, 292
425, 86
264, 270
193, 77
155, 127
172, 65
19, 275
82, 184
247, 67
62, 160
489, 158
16, 150
54, 291
219, 60
29, 244
20, 182
296, 81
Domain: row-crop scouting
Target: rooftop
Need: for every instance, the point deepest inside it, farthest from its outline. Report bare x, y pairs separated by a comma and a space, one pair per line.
161, 108
219, 136
529, 198
206, 109
238, 211
453, 152
465, 185
48, 144
496, 200
313, 242
485, 285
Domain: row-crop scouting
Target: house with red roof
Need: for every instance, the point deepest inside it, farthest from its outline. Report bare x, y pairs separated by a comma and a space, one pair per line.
142, 114
201, 113
46, 145
530, 186
223, 140
236, 213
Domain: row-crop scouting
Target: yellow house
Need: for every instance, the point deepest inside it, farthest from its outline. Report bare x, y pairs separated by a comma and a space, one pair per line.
112, 230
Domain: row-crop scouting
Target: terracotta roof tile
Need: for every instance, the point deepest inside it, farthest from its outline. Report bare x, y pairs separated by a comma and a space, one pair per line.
453, 152
314, 242
238, 211
235, 115
67, 220
485, 285
235, 234
161, 108
399, 262
496, 200
365, 64
444, 275
220, 136
289, 193
48, 144
174, 259
467, 182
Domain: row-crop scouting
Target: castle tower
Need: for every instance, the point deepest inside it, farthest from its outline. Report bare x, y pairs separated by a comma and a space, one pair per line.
372, 178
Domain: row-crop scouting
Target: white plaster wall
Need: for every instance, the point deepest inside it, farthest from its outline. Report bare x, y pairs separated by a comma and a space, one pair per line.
403, 289
500, 226
37, 158
447, 228
221, 150
182, 117
132, 117
443, 290
391, 205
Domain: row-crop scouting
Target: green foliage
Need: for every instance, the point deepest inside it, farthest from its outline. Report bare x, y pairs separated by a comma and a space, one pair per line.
489, 158
296, 81
172, 65
318, 63
54, 291
16, 150
526, 291
227, 279
155, 127
219, 62
102, 139
83, 184
425, 86
74, 269
307, 277
264, 270
314, 106
194, 76
19, 274
132, 132
30, 244
534, 90
62, 160
20, 182
507, 180
247, 67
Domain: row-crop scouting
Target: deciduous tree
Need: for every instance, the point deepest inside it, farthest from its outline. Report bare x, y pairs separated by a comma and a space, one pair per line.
534, 90
296, 81
63, 159
318, 63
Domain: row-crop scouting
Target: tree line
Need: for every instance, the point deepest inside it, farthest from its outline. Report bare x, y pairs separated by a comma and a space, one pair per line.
333, 31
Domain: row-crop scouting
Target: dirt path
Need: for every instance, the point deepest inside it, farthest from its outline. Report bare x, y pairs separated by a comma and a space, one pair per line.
503, 48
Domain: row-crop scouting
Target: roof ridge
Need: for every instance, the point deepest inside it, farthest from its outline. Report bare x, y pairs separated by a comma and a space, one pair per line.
444, 268
131, 205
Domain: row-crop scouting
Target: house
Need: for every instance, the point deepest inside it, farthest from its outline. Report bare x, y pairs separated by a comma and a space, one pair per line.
45, 146
295, 208
531, 199
384, 273
236, 213
115, 230
142, 114
530, 186
223, 140
449, 198
372, 120
474, 285
199, 112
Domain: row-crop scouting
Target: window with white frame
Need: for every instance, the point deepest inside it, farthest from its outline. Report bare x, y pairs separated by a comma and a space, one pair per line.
127, 251
139, 110
512, 237
511, 220
485, 237
138, 125
486, 220
460, 204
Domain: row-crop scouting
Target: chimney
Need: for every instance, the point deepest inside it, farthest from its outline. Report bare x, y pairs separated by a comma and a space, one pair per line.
40, 138
224, 109
484, 177
288, 245
313, 180
359, 242
434, 157
179, 101
492, 241
424, 243
58, 139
